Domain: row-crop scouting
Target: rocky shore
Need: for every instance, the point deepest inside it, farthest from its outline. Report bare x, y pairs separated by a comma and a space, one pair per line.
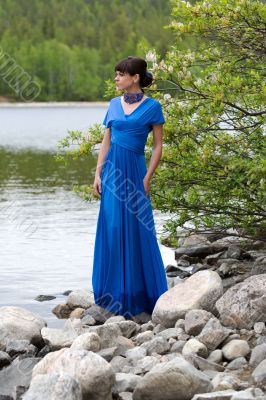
206, 337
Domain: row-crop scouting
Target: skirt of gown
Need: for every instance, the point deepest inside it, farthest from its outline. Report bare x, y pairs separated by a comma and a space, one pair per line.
128, 272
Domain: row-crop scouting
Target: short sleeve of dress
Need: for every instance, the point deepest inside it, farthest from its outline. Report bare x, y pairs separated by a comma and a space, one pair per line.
157, 116
107, 118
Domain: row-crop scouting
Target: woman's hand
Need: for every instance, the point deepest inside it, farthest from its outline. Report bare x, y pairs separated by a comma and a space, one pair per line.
97, 185
147, 184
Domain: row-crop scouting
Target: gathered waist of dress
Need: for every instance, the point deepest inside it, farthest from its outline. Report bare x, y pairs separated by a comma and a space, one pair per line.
127, 146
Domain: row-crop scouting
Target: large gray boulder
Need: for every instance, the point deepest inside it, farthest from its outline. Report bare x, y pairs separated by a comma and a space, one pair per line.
18, 373
173, 380
200, 291
19, 323
53, 386
91, 371
244, 303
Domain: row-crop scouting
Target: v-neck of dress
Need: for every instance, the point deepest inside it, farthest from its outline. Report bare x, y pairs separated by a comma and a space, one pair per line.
127, 115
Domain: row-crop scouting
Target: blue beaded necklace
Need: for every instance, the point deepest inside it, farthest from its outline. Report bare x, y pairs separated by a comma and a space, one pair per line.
133, 97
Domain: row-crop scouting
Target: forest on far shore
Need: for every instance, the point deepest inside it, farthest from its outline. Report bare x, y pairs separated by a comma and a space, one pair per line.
69, 47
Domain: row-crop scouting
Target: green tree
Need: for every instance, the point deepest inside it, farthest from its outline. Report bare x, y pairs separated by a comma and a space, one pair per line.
213, 168
212, 171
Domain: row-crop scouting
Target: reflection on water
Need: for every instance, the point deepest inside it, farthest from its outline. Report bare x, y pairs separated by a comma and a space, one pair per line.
46, 231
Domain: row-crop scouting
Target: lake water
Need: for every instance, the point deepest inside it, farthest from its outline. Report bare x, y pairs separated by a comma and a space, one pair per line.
46, 231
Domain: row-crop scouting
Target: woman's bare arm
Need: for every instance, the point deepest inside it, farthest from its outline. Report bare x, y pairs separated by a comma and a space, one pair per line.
103, 151
156, 155
105, 145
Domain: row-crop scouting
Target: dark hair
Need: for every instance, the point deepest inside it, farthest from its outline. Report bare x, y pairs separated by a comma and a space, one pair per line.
136, 65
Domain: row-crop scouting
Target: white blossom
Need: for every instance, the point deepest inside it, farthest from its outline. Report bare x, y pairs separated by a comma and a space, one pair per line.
187, 3
170, 68
213, 78
162, 64
198, 82
151, 56
190, 56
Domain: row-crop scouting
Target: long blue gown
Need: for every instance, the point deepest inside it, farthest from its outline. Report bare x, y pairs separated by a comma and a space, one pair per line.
128, 271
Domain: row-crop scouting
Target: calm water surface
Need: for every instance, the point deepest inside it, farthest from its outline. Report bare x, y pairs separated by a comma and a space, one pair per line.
46, 231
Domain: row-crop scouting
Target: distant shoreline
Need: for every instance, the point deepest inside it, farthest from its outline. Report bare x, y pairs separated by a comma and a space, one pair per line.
55, 104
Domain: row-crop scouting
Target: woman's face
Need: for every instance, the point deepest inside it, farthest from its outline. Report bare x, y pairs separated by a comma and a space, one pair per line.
125, 81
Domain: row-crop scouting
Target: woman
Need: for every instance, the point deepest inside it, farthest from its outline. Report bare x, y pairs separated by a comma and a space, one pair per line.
128, 272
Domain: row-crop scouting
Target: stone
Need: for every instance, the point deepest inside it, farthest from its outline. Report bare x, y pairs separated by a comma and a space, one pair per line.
225, 242
178, 346
17, 323
201, 290
85, 367
249, 394
194, 346
180, 323
108, 353
53, 386
200, 250
170, 333
158, 345
217, 395
122, 345
148, 326
118, 362
261, 339
215, 356
44, 297
125, 382
143, 337
204, 364
196, 239
213, 334
58, 338
63, 311
74, 325
18, 373
125, 396
258, 354
146, 363
87, 341
236, 348
108, 334
88, 320
259, 373
237, 363
244, 303
18, 347
100, 314
141, 318
195, 320
80, 298
77, 313
225, 380
259, 327
173, 380
5, 359
115, 318
136, 353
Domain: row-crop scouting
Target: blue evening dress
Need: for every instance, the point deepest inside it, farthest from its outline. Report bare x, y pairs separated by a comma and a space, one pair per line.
128, 273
